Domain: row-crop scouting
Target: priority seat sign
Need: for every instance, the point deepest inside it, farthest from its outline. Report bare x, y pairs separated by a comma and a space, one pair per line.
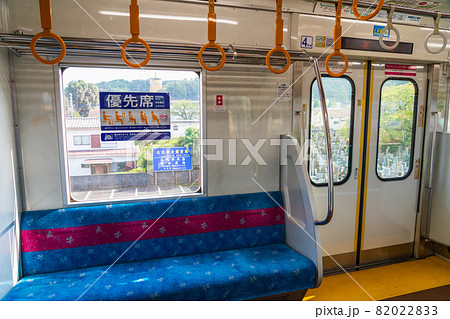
133, 111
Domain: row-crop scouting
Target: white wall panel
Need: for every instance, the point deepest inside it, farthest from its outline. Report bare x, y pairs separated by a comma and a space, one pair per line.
8, 169
38, 133
248, 93
6, 262
9, 207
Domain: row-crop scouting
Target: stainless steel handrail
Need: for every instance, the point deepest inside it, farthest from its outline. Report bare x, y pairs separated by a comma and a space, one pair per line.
160, 50
326, 127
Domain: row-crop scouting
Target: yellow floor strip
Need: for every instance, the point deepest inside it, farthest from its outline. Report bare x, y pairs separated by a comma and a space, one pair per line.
384, 282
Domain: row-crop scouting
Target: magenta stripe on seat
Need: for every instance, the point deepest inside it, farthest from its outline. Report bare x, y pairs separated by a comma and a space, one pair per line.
70, 237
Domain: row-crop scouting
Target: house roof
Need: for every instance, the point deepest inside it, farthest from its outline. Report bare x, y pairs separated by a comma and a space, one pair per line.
104, 152
82, 122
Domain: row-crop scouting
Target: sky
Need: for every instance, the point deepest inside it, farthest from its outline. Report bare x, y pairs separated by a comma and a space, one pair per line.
96, 75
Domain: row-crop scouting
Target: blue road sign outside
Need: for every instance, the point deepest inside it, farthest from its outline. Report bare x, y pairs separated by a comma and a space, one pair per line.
172, 159
134, 111
134, 136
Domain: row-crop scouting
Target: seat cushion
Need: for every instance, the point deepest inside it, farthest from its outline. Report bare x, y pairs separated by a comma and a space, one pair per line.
237, 274
82, 237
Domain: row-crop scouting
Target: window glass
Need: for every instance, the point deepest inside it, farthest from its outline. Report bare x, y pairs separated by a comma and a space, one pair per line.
111, 170
396, 129
81, 140
339, 96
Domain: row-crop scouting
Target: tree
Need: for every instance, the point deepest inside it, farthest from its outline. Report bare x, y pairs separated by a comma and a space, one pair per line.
396, 116
185, 110
84, 96
186, 89
144, 161
121, 85
191, 140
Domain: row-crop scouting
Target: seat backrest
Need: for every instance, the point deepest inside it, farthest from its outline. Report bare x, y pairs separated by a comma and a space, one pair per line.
71, 238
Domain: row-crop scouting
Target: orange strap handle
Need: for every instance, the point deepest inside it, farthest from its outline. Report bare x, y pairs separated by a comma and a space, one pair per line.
47, 25
367, 17
134, 30
337, 43
212, 40
279, 41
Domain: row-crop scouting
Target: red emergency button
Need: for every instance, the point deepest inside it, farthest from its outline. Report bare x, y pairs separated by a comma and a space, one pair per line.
219, 99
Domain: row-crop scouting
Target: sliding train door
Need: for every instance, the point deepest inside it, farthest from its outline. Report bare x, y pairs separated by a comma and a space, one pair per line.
344, 100
392, 134
376, 119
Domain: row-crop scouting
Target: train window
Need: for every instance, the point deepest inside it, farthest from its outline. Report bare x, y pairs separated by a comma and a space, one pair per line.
396, 129
120, 170
339, 93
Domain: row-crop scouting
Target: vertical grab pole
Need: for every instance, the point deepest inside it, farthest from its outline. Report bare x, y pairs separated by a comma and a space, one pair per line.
326, 127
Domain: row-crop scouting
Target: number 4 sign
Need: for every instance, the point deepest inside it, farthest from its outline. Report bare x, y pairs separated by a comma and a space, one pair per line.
306, 42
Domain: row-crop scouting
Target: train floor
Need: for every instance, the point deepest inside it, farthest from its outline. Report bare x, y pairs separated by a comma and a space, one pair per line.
422, 279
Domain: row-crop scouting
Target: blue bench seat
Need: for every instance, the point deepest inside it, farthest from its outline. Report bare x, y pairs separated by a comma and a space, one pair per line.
236, 274
207, 248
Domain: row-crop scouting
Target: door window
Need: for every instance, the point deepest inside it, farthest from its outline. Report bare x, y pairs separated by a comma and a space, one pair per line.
339, 93
396, 129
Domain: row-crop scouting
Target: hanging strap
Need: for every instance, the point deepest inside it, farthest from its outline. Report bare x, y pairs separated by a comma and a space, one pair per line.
369, 16
45, 9
134, 30
436, 31
211, 40
337, 44
279, 41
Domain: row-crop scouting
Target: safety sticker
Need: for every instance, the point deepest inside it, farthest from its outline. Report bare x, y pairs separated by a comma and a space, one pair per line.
283, 92
400, 69
417, 168
306, 42
131, 111
377, 29
421, 115
323, 42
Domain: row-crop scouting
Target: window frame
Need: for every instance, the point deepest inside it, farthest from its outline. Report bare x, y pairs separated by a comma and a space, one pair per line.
81, 140
413, 132
351, 129
67, 200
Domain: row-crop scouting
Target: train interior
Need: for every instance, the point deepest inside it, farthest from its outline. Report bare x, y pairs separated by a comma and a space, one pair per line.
224, 150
